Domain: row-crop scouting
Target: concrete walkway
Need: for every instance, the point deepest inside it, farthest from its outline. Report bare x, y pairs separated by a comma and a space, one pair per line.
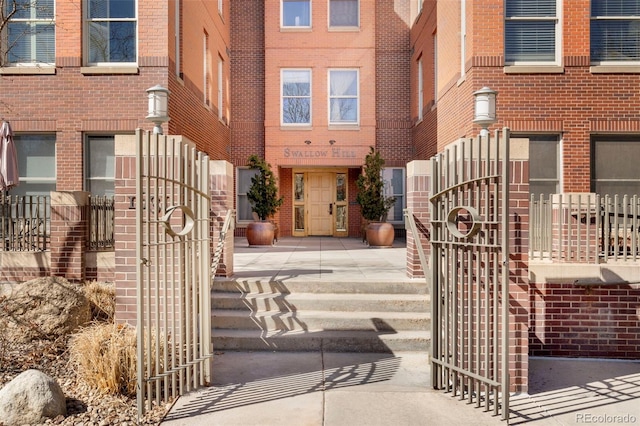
347, 389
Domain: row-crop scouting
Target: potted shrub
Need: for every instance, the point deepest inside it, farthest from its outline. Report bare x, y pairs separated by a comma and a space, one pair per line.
263, 196
374, 205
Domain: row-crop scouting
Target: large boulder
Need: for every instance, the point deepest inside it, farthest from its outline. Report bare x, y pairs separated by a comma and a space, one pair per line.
31, 398
46, 307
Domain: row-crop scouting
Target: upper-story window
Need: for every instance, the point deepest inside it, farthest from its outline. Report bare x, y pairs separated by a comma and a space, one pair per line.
296, 97
532, 32
296, 13
111, 32
615, 31
344, 13
30, 34
343, 96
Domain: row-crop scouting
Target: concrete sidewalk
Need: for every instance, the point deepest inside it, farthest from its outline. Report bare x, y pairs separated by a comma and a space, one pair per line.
346, 389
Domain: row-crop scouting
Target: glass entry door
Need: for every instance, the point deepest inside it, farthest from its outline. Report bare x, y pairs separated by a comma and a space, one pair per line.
320, 203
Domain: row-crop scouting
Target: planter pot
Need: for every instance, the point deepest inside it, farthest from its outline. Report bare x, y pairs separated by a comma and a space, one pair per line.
260, 233
380, 234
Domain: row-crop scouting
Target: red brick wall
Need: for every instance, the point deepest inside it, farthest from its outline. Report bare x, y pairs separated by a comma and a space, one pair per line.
585, 321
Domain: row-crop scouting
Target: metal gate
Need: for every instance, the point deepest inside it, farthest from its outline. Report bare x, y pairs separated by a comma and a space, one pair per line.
468, 270
174, 346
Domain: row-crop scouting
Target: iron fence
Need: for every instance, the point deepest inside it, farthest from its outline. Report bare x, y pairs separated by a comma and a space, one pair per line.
584, 228
101, 216
24, 222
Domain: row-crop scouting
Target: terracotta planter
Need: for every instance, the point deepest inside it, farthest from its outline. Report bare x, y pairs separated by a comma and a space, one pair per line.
260, 233
380, 234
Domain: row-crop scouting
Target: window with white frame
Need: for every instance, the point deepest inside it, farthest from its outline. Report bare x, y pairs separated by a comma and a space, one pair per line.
394, 186
296, 13
206, 70
614, 165
463, 37
243, 183
615, 31
30, 34
420, 93
220, 7
296, 97
435, 68
532, 32
343, 96
36, 164
344, 13
220, 87
99, 160
110, 30
544, 165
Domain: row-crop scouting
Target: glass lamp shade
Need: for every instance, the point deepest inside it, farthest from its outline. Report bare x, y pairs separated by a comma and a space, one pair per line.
485, 107
158, 106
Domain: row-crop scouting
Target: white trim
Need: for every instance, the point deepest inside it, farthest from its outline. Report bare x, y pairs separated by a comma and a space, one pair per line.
296, 27
343, 123
85, 38
282, 123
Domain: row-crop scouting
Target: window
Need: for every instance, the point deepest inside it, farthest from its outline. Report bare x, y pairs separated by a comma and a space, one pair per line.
296, 13
531, 32
220, 7
614, 165
296, 97
111, 31
99, 165
393, 178
36, 164
463, 37
206, 70
435, 68
30, 37
344, 13
420, 93
343, 96
243, 206
615, 31
220, 87
544, 161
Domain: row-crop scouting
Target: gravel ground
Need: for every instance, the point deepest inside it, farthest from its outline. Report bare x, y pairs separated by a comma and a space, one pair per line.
85, 406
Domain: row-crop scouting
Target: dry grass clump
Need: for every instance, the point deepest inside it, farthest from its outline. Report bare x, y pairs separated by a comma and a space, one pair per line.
106, 357
102, 297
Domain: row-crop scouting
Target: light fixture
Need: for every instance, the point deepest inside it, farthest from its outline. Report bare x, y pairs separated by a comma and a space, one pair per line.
158, 112
308, 142
332, 141
485, 109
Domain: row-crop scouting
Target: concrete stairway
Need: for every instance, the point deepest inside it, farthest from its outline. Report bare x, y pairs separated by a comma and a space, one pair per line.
309, 316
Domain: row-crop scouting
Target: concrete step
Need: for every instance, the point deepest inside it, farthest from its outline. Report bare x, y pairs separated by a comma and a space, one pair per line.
314, 340
321, 302
275, 320
417, 286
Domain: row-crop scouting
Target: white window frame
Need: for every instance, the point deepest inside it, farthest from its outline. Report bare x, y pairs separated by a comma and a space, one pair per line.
463, 38
420, 93
282, 25
33, 22
390, 191
343, 27
86, 36
23, 168
435, 68
88, 178
557, 19
220, 87
220, 7
310, 97
330, 97
239, 194
206, 84
633, 20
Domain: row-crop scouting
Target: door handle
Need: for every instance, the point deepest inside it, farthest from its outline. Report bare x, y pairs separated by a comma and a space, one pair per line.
330, 208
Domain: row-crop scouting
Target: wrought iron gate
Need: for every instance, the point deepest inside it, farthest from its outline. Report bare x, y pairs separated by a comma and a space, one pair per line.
174, 346
468, 270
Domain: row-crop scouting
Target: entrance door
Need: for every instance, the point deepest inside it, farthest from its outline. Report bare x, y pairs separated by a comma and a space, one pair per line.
321, 203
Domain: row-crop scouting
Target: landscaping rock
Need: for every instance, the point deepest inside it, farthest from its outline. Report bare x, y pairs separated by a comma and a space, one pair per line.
31, 398
46, 307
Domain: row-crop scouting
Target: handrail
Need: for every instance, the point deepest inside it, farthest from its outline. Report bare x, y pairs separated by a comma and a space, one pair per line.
226, 226
411, 221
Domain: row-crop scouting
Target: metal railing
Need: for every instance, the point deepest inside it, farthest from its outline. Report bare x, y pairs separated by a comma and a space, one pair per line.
101, 215
584, 228
24, 222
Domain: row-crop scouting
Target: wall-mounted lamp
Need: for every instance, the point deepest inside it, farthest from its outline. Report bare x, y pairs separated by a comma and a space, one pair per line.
308, 142
485, 109
332, 141
158, 111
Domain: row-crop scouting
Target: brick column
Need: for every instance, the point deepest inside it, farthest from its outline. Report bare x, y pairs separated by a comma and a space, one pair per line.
69, 233
221, 190
418, 184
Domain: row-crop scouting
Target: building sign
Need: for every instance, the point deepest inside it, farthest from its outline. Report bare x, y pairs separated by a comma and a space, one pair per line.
332, 152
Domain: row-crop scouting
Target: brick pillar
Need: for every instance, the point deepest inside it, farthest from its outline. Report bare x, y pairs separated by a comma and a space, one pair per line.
418, 185
125, 228
69, 233
221, 190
